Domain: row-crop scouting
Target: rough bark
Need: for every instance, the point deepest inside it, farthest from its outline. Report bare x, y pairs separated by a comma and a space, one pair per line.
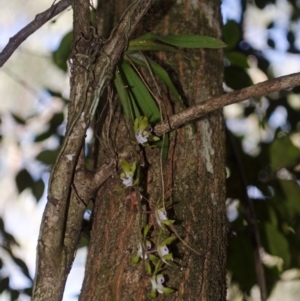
194, 179
62, 220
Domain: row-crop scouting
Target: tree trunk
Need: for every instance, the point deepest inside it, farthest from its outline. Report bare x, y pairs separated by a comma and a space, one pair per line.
193, 177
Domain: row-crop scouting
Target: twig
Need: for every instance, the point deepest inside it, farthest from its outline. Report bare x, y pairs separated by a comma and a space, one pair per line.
218, 102
249, 214
24, 33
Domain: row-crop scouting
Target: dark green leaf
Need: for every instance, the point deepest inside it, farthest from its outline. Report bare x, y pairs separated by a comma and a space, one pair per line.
169, 240
56, 120
43, 136
4, 284
47, 156
56, 94
231, 34
164, 143
237, 78
147, 45
278, 244
141, 95
291, 197
22, 265
24, 180
192, 41
61, 55
159, 71
135, 259
18, 119
283, 153
14, 295
124, 97
28, 291
240, 259
38, 189
153, 257
237, 59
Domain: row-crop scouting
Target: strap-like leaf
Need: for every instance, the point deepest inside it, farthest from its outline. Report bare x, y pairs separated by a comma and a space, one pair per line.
159, 71
183, 41
192, 41
123, 95
140, 93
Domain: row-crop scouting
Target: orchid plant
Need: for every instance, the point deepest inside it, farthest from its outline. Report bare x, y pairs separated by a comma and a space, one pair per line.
128, 173
143, 130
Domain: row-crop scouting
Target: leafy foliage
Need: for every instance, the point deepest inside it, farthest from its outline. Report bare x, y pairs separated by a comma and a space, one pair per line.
271, 172
8, 244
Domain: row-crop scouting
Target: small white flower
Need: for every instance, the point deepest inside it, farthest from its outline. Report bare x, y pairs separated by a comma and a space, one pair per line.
143, 130
140, 250
140, 138
128, 181
128, 173
162, 214
162, 250
156, 282
164, 254
162, 218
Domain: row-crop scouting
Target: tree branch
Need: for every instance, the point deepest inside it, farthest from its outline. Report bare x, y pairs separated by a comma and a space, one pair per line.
24, 33
250, 216
61, 222
218, 102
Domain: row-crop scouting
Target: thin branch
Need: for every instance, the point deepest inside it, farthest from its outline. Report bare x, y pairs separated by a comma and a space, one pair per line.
24, 33
218, 102
249, 214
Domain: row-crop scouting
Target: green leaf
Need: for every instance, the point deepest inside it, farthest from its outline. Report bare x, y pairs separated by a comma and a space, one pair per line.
167, 290
152, 294
147, 45
192, 41
47, 156
164, 143
22, 265
238, 59
14, 295
278, 245
291, 197
148, 36
123, 95
141, 95
18, 119
236, 77
146, 230
24, 180
125, 166
153, 257
169, 222
231, 34
28, 291
169, 240
61, 55
148, 268
43, 136
168, 256
4, 284
38, 189
56, 120
159, 71
135, 259
283, 153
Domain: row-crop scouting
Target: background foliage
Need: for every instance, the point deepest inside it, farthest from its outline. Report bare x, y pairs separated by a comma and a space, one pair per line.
262, 153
